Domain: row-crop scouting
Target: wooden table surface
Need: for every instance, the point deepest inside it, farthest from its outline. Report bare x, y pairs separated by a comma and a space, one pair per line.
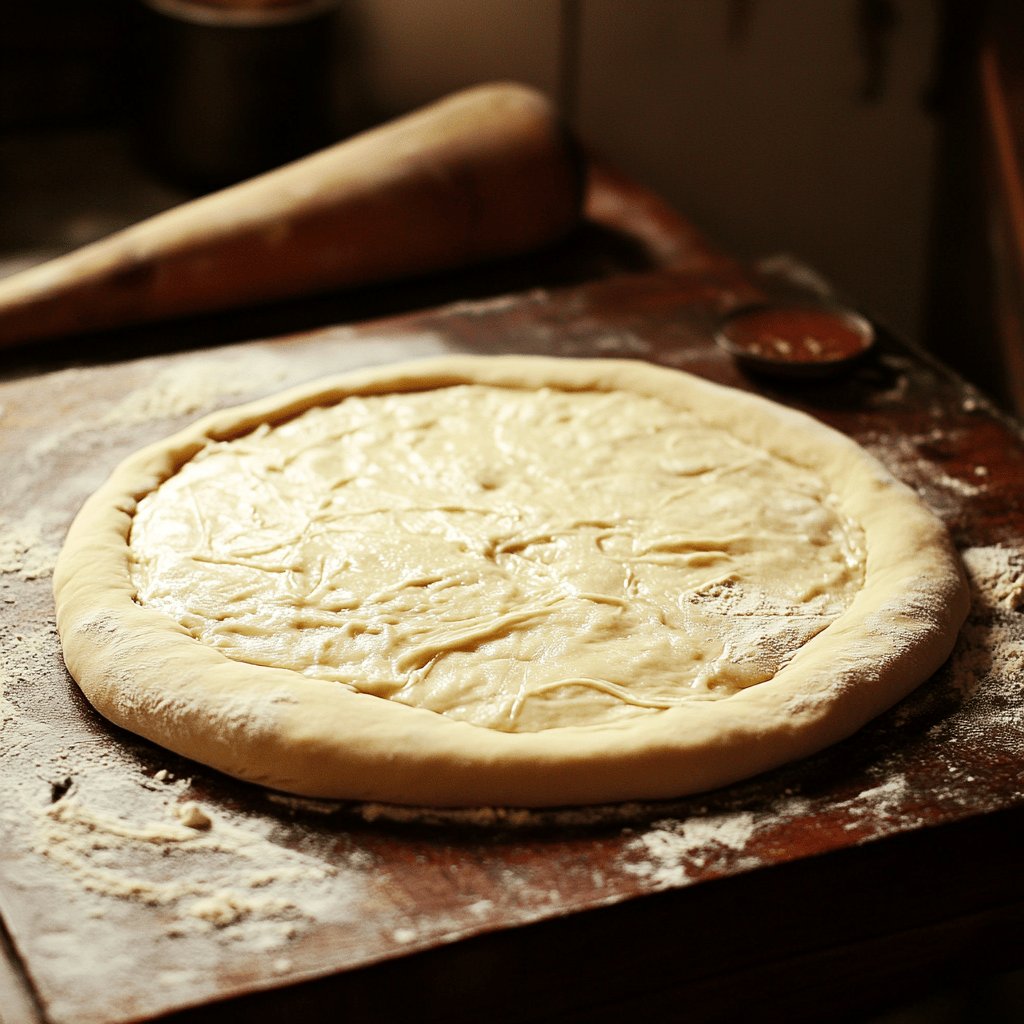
876, 868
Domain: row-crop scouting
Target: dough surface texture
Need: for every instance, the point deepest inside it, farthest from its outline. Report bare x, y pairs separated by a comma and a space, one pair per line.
504, 580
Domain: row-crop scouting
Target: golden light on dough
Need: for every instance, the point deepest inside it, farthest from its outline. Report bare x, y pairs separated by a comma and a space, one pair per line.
504, 580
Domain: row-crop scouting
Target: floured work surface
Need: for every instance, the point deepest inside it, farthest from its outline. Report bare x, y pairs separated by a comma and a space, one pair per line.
135, 883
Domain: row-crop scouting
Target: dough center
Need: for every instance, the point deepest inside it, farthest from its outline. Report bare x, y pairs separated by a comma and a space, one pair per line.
518, 559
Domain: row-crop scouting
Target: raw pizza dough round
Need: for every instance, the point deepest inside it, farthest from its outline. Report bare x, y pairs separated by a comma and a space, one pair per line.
504, 581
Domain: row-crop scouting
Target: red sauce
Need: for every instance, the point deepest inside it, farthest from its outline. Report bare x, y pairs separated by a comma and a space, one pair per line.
795, 335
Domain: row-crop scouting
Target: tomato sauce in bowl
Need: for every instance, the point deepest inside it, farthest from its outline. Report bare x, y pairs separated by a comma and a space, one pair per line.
795, 340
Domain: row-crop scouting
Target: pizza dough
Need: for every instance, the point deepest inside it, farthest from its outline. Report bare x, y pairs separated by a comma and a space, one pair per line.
504, 580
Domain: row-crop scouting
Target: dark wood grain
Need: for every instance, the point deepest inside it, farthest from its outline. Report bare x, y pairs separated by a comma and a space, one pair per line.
874, 868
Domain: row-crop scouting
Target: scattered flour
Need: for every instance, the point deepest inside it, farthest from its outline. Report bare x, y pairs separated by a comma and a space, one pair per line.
21, 655
896, 393
988, 664
884, 800
988, 661
964, 488
996, 576
191, 815
24, 550
623, 343
210, 878
189, 386
186, 386
670, 853
917, 460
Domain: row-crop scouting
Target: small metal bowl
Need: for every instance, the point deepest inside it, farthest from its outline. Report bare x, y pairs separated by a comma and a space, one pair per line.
795, 340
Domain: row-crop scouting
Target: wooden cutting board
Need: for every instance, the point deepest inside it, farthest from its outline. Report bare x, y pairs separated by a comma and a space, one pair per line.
872, 867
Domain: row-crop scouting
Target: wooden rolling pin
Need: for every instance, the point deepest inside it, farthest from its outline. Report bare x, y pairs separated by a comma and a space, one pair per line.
484, 173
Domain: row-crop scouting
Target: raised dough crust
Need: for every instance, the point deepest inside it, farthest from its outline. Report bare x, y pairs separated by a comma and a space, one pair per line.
283, 729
